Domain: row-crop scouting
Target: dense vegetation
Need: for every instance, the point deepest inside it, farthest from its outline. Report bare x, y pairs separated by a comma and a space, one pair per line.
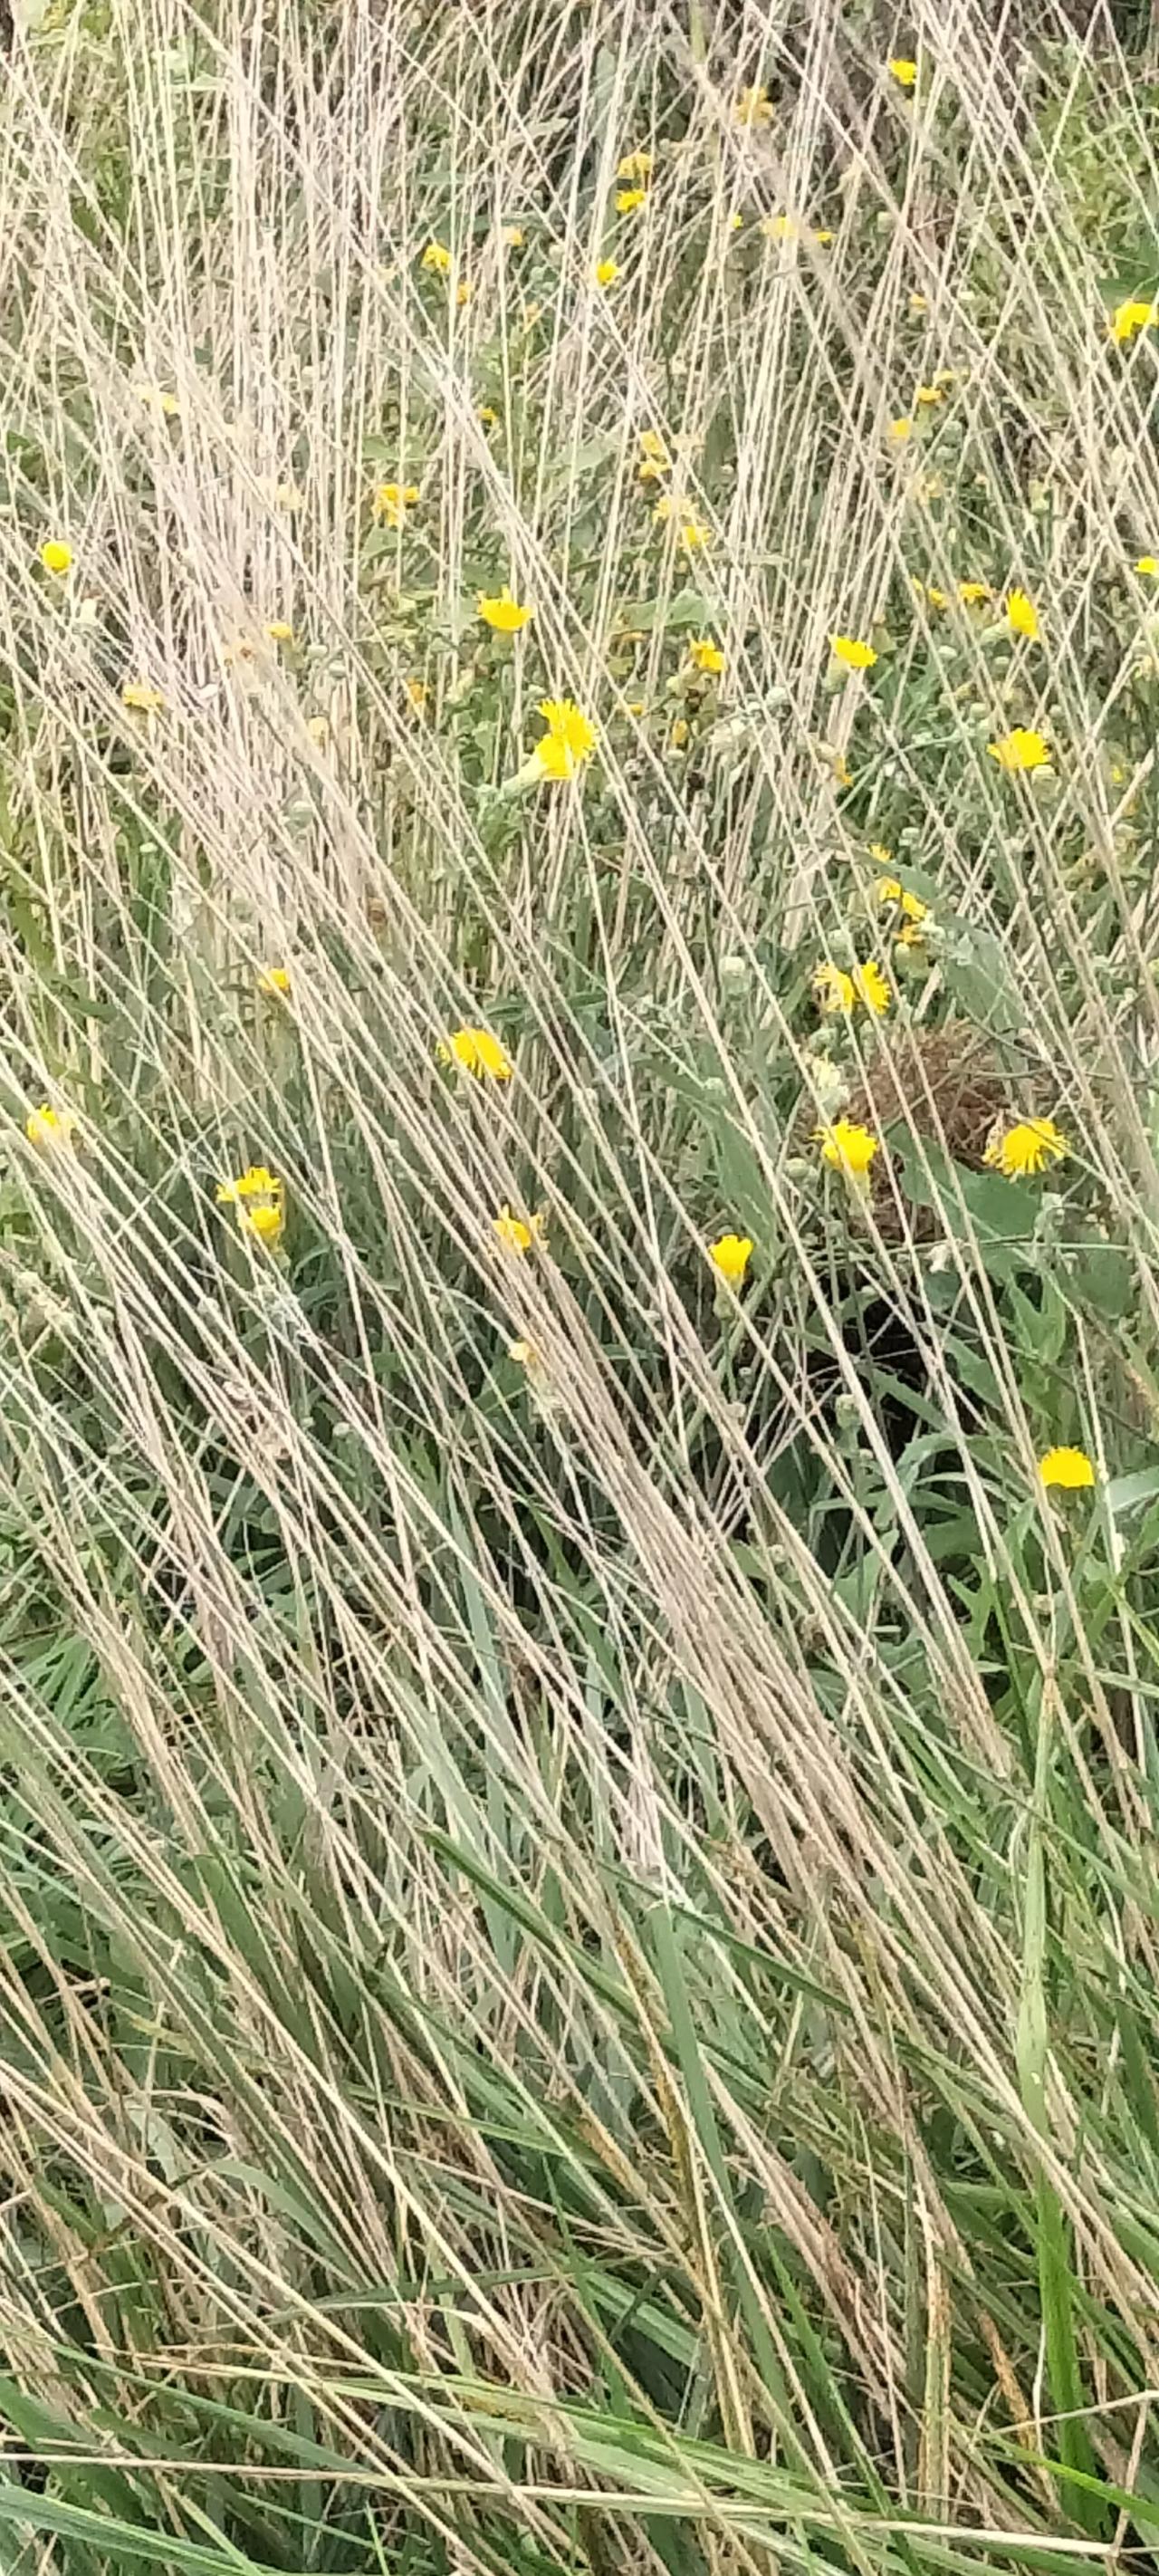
579, 1477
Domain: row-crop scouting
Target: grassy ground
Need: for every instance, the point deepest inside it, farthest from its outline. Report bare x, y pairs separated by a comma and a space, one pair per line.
578, 1964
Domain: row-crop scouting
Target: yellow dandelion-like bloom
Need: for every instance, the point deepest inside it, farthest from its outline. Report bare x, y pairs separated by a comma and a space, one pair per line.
655, 461
607, 271
418, 692
891, 890
437, 259
154, 398
1027, 1147
278, 631
517, 1234
629, 200
754, 106
274, 981
463, 291
904, 71
1022, 615
833, 989
56, 556
635, 165
569, 739
679, 734
392, 500
524, 1352
512, 236
918, 302
871, 987
1148, 564
476, 1051
51, 1130
883, 856
487, 416
852, 653
694, 536
1069, 1468
260, 1200
928, 395
1130, 317
730, 1255
973, 593
735, 221
706, 656
141, 699
901, 429
847, 1147
1024, 748
504, 614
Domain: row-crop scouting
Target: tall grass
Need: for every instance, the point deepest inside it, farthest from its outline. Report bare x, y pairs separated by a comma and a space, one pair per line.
579, 1962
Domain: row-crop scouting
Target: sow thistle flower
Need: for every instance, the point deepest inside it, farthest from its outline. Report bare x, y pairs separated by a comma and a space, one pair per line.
972, 594
56, 556
141, 699
477, 1052
274, 982
1148, 564
891, 890
1134, 315
503, 613
1069, 1468
833, 989
51, 1130
518, 1234
1027, 1147
1022, 615
847, 1147
436, 259
852, 653
706, 656
754, 106
730, 1256
629, 200
655, 460
607, 271
904, 71
1024, 748
635, 165
260, 1199
392, 500
569, 739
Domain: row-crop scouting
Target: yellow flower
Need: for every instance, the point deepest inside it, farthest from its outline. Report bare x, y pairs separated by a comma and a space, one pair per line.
753, 107
1022, 615
1131, 317
904, 71
833, 989
418, 693
512, 236
679, 734
655, 461
279, 631
1024, 748
1027, 1147
56, 556
259, 1197
972, 593
607, 271
883, 856
143, 700
855, 655
824, 238
735, 221
50, 1129
635, 165
871, 987
934, 598
392, 499
901, 428
929, 394
778, 228
164, 406
503, 613
731, 1255
476, 1051
517, 1234
706, 655
436, 258
918, 302
891, 890
274, 980
463, 291
692, 532
569, 738
487, 416
1148, 563
524, 1352
629, 199
847, 1147
1070, 1468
